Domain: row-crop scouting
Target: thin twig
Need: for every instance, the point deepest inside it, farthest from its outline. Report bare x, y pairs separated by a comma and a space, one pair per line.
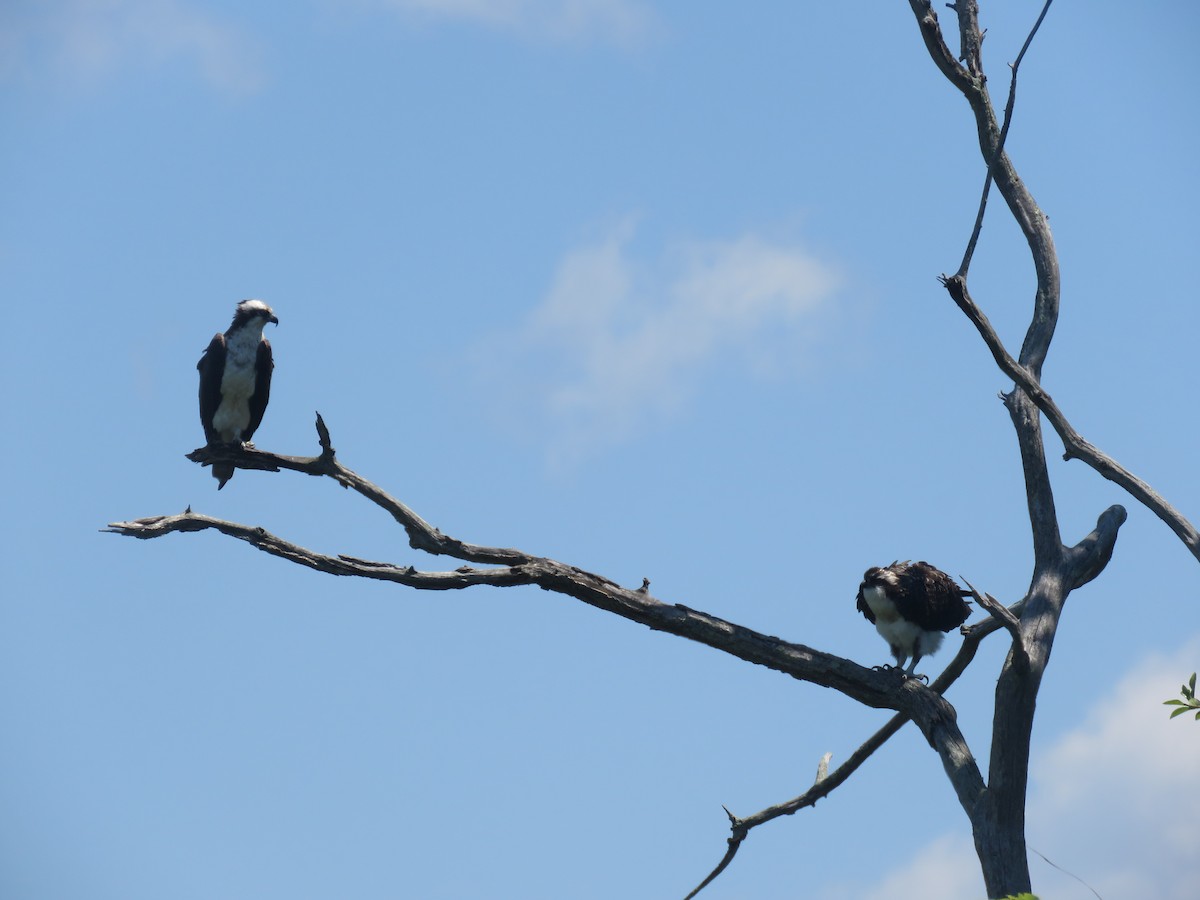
1072, 874
991, 167
740, 828
1005, 617
998, 611
734, 843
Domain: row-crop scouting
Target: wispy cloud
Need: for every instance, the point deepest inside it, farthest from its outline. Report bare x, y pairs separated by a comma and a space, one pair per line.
1113, 801
619, 341
83, 40
622, 22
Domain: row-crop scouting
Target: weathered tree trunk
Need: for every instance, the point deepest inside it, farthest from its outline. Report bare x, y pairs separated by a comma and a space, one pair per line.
998, 818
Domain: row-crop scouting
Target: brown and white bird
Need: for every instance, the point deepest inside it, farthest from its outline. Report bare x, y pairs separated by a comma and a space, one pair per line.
912, 606
235, 381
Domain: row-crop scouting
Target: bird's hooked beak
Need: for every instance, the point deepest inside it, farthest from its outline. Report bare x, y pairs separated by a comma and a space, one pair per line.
273, 318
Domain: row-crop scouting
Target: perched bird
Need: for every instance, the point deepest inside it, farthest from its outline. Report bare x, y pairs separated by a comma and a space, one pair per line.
912, 606
235, 381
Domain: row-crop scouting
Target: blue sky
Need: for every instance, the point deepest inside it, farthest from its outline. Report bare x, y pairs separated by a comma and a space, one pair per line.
646, 287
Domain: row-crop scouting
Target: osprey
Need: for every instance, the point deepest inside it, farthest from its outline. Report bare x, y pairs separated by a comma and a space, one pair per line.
235, 381
912, 606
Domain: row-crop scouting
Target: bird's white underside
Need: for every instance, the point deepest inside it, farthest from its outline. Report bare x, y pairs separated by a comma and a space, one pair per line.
237, 384
902, 636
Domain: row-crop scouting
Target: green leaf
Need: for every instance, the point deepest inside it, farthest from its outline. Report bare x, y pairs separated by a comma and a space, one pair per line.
1192, 682
1174, 703
1179, 712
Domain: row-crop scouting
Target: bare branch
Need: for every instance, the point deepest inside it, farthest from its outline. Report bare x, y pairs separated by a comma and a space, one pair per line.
1024, 209
1001, 614
970, 781
741, 828
970, 37
823, 768
515, 567
421, 535
735, 842
935, 43
1075, 446
1088, 558
465, 576
1035, 227
1008, 112
1020, 56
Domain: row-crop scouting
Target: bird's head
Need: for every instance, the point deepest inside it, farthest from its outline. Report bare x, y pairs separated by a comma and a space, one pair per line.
879, 577
250, 310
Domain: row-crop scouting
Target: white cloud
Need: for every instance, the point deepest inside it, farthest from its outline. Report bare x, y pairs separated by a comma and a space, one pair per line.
616, 343
1113, 801
86, 39
944, 870
617, 21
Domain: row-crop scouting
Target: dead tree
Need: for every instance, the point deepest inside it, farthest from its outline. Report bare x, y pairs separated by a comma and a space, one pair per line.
993, 797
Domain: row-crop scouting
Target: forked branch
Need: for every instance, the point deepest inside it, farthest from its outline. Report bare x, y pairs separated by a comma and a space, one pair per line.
740, 828
969, 29
421, 535
1026, 373
1074, 444
506, 567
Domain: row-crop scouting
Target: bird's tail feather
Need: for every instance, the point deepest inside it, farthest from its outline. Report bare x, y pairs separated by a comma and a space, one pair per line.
222, 472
